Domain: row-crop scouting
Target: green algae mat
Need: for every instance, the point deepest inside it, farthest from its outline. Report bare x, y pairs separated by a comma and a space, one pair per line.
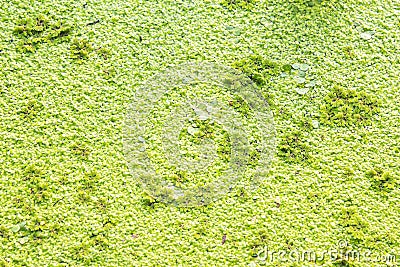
200, 133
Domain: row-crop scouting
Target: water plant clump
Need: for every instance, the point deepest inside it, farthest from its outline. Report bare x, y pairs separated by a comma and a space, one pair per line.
239, 105
348, 107
382, 181
257, 68
353, 223
293, 148
40, 29
195, 131
198, 130
232, 4
80, 48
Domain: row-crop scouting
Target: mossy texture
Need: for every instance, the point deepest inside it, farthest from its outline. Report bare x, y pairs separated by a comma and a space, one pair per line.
294, 148
67, 196
257, 68
233, 4
39, 29
349, 107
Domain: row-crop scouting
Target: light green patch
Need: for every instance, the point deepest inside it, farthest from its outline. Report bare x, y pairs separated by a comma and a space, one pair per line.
67, 196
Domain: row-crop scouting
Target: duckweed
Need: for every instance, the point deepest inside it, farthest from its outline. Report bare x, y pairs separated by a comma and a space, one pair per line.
41, 29
80, 48
383, 181
68, 198
232, 4
238, 104
294, 148
257, 68
349, 107
197, 130
354, 224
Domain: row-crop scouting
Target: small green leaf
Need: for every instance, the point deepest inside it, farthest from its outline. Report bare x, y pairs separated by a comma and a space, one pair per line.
192, 131
315, 124
300, 79
366, 35
304, 67
302, 91
22, 226
302, 73
296, 66
311, 84
203, 116
286, 67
